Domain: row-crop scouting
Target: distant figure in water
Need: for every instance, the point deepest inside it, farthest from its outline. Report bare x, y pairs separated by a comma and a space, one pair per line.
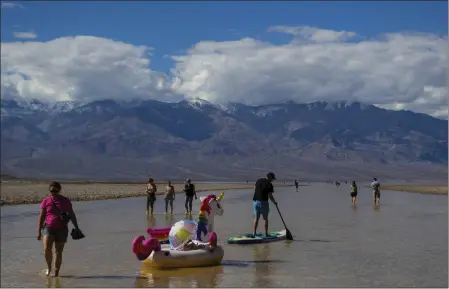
151, 195
337, 183
296, 185
375, 185
169, 197
189, 190
353, 192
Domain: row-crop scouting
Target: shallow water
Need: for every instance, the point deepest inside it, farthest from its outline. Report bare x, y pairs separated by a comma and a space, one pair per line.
403, 243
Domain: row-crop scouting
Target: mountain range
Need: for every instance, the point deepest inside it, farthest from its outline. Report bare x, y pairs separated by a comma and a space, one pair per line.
110, 139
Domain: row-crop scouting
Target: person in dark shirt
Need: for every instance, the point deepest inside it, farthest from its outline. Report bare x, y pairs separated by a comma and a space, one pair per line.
189, 190
296, 185
262, 192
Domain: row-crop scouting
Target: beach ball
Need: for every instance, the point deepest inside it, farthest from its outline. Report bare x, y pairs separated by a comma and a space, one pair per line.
181, 232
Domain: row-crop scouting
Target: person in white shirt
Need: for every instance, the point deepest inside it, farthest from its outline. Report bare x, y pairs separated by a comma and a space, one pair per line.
375, 185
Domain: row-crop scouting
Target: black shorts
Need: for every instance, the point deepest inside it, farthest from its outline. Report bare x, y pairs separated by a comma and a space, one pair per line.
376, 195
353, 194
59, 235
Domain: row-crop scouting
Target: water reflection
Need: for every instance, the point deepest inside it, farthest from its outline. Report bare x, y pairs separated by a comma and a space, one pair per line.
151, 221
263, 266
53, 282
187, 277
167, 220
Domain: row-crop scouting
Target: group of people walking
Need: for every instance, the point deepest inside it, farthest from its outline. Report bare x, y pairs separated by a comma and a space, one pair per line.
56, 212
170, 195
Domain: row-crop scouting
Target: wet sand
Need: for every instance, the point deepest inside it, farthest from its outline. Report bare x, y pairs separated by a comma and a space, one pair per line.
423, 189
401, 243
23, 192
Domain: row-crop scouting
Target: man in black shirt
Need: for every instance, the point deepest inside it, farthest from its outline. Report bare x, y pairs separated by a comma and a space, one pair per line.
262, 192
189, 190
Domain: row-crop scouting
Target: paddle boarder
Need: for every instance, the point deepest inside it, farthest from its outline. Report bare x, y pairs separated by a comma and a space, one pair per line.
263, 190
375, 185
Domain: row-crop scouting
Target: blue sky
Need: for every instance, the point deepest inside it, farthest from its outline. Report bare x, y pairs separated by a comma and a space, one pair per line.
172, 27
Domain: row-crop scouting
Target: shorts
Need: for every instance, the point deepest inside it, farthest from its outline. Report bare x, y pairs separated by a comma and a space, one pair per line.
60, 235
189, 199
261, 208
353, 194
151, 198
376, 195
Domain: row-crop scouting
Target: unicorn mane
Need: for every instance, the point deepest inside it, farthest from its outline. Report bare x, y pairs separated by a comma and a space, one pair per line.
205, 207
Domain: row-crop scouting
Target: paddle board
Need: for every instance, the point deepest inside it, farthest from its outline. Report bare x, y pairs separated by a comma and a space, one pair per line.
259, 238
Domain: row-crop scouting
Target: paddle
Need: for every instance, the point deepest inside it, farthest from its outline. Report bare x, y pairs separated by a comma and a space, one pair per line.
288, 233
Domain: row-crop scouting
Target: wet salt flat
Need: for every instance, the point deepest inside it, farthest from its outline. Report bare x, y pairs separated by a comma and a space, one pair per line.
403, 243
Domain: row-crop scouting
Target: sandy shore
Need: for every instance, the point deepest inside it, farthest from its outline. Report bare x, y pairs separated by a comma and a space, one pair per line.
20, 192
423, 189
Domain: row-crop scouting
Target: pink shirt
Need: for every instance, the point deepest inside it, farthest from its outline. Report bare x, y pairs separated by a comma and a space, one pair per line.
52, 219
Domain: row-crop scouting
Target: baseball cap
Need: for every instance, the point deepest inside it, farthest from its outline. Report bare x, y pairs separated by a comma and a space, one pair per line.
189, 180
271, 174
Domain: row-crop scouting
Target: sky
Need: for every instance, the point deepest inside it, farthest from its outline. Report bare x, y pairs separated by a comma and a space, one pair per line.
386, 53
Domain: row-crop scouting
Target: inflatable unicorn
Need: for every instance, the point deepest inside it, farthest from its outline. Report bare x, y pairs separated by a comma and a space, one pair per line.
210, 207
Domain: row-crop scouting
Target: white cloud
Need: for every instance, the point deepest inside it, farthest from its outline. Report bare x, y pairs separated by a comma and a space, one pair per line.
393, 68
398, 71
25, 35
11, 5
313, 34
80, 68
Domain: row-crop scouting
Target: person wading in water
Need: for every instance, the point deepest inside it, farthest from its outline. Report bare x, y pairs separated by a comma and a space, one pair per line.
169, 197
55, 213
296, 185
189, 190
151, 195
353, 192
375, 185
263, 190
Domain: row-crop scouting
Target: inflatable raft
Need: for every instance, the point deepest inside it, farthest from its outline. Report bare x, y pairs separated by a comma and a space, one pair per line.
192, 254
161, 234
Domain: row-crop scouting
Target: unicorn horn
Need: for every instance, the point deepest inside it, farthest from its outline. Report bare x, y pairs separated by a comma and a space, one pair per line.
220, 196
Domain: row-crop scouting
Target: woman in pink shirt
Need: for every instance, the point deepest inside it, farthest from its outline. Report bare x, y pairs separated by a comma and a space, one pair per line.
55, 214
